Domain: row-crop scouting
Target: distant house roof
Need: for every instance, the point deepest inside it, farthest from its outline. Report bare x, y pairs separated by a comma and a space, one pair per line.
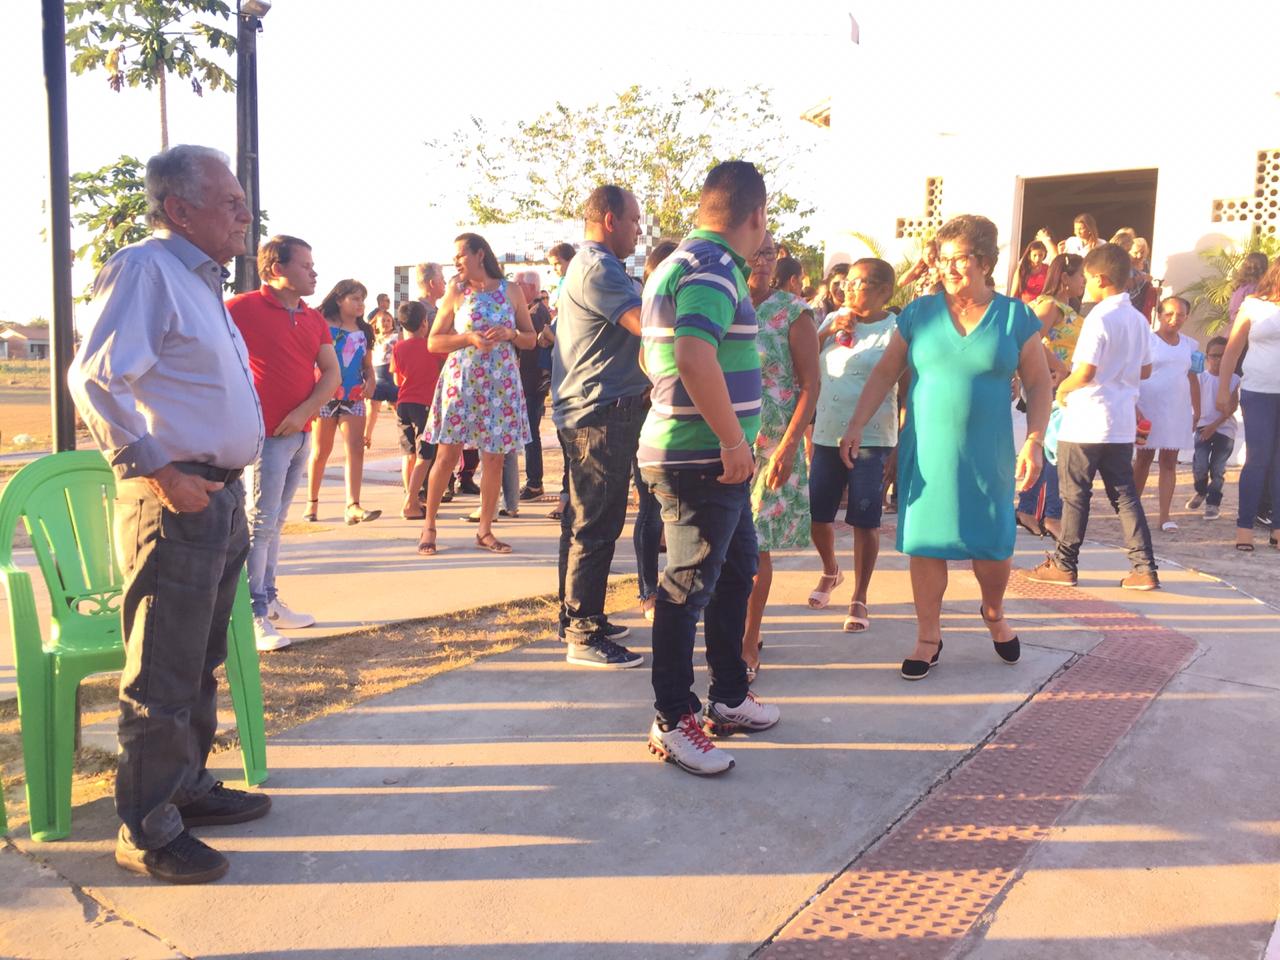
14, 331
819, 114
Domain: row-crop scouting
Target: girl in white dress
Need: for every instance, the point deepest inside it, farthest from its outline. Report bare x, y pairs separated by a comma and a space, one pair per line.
1170, 399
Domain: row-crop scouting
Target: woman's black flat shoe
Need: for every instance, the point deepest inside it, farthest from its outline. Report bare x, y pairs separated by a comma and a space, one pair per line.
919, 669
1010, 651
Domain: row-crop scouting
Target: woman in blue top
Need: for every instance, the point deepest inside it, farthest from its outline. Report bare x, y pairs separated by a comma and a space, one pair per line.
956, 460
343, 309
851, 348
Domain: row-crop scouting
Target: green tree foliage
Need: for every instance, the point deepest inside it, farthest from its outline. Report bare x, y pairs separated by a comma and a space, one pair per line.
141, 42
659, 145
111, 203
1211, 294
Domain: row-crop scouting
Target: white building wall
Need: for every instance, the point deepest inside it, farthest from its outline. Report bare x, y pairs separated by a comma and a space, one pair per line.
984, 95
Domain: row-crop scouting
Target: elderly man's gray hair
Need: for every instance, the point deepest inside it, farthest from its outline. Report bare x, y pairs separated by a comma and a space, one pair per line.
178, 172
428, 272
529, 276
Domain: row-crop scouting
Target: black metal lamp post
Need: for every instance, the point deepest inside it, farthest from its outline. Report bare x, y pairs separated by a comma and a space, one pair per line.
249, 14
63, 333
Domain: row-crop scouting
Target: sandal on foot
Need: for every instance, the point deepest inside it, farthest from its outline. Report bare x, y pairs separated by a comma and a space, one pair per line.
358, 514
492, 544
1246, 546
1009, 650
427, 548
420, 515
313, 511
819, 598
854, 623
919, 669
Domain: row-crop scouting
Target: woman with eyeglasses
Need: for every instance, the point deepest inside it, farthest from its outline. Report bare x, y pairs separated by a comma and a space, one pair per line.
787, 340
856, 341
957, 466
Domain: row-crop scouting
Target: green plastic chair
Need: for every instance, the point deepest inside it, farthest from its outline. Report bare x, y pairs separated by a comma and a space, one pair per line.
66, 502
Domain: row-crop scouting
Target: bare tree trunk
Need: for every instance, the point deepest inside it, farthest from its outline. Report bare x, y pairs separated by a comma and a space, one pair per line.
164, 112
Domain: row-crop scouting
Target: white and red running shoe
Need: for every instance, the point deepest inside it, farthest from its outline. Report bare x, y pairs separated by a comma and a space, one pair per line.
721, 720
688, 748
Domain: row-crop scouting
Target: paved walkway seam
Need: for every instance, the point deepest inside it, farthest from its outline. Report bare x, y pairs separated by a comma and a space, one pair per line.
928, 881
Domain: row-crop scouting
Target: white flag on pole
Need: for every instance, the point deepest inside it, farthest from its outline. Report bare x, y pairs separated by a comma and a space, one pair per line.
853, 30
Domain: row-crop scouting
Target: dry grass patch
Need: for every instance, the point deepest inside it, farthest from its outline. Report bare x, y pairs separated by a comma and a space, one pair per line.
319, 677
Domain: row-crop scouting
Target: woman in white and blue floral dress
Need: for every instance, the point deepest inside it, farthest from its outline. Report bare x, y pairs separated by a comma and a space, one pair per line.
479, 401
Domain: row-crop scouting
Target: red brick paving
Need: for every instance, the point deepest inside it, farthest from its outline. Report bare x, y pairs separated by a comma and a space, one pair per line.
920, 890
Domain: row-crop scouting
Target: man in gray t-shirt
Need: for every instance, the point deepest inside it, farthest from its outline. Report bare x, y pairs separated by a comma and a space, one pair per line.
598, 405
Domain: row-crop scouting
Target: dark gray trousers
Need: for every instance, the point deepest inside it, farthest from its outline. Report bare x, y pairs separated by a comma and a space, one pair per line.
181, 571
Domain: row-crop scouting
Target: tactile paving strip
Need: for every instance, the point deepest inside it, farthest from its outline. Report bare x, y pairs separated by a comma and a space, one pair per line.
922, 888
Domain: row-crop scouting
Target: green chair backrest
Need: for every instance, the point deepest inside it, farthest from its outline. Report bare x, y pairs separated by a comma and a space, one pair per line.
66, 501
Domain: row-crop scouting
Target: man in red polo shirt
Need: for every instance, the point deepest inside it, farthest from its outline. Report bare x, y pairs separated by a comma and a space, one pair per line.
287, 342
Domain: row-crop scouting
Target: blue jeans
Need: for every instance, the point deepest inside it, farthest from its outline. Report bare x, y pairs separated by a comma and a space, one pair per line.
712, 554
598, 456
511, 481
270, 483
1078, 465
646, 534
1261, 454
1210, 464
537, 406
1043, 500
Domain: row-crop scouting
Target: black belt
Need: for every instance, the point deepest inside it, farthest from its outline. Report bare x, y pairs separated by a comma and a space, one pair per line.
625, 403
209, 472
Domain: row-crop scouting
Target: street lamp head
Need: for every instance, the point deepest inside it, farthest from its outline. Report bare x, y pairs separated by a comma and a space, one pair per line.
255, 8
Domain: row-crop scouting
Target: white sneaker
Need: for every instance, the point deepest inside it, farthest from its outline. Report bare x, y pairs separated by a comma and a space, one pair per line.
286, 619
722, 720
267, 636
1212, 512
688, 748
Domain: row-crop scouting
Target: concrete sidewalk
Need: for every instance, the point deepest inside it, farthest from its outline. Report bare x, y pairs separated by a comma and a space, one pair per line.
510, 809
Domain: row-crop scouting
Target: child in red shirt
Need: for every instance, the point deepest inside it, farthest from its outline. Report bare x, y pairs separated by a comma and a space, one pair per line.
416, 370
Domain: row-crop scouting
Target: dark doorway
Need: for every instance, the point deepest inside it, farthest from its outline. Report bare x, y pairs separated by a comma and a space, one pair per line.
1116, 198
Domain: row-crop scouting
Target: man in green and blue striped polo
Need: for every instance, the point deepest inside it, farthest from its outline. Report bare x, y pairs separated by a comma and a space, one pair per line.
699, 342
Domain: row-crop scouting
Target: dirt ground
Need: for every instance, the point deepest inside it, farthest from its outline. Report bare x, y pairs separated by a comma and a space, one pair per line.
1198, 544
309, 680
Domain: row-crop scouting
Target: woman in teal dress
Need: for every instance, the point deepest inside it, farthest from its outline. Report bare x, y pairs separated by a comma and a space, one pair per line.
957, 466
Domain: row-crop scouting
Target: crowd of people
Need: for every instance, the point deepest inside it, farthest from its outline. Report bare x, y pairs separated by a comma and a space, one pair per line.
740, 408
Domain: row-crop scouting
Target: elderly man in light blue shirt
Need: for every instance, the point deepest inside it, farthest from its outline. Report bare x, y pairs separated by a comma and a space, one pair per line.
162, 380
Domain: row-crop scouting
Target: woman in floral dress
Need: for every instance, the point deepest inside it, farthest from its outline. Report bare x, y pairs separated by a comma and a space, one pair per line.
788, 342
479, 401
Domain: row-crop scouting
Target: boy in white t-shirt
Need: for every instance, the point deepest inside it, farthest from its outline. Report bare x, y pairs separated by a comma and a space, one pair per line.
1215, 433
1099, 421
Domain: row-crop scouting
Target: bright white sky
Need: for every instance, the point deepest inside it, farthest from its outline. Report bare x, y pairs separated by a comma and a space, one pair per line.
350, 89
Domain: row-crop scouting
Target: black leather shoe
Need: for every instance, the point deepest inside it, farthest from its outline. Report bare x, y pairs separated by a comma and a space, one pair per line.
224, 805
1010, 651
919, 669
468, 487
184, 859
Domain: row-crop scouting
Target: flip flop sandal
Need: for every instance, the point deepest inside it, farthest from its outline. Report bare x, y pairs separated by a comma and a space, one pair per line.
820, 599
414, 516
427, 548
1248, 547
492, 544
854, 623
